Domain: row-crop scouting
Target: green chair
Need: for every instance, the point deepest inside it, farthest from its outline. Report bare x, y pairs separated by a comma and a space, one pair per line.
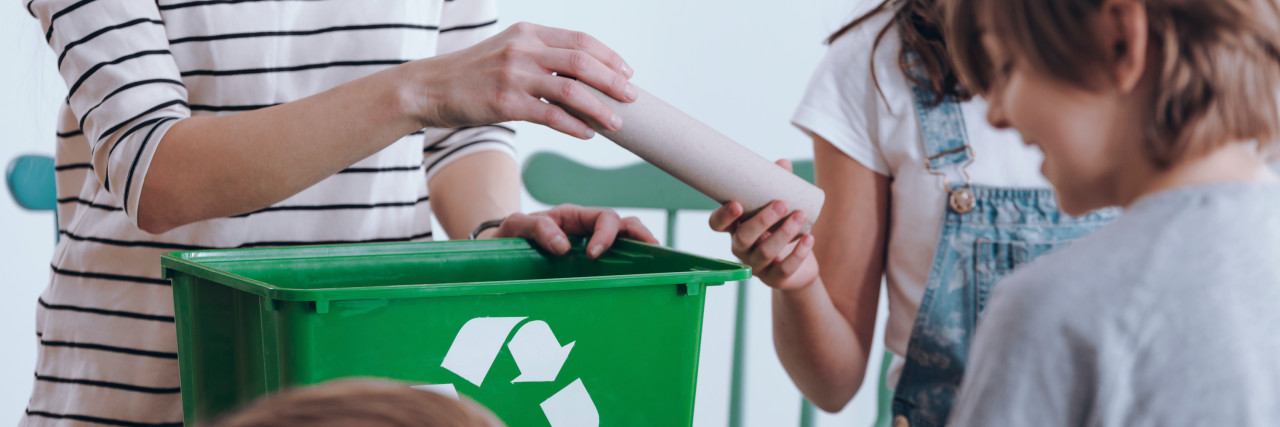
553, 179
884, 397
30, 179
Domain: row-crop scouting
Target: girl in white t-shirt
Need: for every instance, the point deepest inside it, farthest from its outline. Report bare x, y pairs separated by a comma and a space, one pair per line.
921, 191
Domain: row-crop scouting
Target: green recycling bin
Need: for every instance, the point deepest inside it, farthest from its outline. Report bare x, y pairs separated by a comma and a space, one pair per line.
541, 340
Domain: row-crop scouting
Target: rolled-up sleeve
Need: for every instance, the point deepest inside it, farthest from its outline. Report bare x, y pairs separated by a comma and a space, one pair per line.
123, 85
466, 22
443, 146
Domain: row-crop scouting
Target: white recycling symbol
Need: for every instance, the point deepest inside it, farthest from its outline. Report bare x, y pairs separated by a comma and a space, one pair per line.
538, 355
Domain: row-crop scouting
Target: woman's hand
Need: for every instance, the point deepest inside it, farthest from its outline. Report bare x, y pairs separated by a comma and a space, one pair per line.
507, 77
770, 242
549, 228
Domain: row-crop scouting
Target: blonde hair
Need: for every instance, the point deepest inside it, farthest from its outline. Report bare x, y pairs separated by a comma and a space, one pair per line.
369, 403
1217, 62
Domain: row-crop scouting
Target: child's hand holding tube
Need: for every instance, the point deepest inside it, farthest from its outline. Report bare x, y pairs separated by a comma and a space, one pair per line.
772, 242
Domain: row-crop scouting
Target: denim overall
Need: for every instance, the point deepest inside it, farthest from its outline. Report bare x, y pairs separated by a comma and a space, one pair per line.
986, 232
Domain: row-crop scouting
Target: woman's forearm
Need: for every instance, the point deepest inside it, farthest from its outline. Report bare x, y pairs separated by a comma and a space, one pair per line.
474, 189
211, 167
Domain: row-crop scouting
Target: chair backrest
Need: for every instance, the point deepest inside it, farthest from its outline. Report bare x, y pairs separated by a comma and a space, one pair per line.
31, 182
554, 179
30, 179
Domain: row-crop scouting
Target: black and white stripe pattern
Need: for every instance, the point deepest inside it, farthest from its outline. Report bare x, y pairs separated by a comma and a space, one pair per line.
107, 351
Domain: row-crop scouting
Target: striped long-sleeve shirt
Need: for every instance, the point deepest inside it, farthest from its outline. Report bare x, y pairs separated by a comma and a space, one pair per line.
133, 68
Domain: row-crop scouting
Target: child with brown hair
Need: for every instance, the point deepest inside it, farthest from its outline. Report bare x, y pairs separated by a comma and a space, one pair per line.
1165, 107
360, 402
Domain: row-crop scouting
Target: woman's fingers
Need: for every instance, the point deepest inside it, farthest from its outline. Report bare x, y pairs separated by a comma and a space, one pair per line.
605, 231
634, 229
582, 66
515, 76
549, 229
542, 229
577, 40
574, 97
534, 111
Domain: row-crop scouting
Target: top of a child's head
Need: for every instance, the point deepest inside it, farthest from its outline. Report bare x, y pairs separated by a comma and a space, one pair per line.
1214, 65
360, 402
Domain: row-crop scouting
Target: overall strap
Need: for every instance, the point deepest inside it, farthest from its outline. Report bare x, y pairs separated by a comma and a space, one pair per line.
946, 141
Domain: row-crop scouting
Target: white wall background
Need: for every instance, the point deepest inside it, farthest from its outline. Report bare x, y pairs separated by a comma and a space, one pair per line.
739, 66
30, 92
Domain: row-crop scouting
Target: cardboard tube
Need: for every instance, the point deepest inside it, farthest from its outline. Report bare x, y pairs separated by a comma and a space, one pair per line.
704, 159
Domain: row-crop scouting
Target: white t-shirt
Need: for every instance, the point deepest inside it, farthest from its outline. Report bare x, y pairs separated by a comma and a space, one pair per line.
843, 106
105, 325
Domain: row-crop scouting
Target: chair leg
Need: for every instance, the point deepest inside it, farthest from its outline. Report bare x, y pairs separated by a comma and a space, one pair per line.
807, 414
671, 229
736, 384
884, 397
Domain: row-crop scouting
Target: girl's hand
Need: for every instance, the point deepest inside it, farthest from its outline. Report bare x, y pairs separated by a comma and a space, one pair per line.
549, 228
770, 242
507, 77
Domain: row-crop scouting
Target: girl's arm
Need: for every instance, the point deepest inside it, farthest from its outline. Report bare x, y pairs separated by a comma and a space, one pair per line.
823, 333
823, 319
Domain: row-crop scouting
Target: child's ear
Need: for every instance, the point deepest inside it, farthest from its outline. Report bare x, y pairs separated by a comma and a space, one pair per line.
1122, 32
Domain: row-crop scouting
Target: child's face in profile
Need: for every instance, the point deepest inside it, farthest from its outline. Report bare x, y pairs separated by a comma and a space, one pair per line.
1078, 130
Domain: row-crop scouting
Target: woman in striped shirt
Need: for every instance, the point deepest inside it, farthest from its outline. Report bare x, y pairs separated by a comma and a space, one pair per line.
194, 124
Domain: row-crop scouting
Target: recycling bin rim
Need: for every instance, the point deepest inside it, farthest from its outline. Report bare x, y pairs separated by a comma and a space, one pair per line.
709, 272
